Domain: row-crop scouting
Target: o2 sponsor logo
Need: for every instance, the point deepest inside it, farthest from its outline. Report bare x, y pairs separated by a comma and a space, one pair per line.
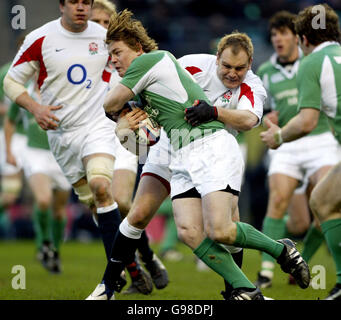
77, 75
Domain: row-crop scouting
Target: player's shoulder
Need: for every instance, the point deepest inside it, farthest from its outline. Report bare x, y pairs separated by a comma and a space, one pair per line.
97, 29
201, 61
264, 68
44, 30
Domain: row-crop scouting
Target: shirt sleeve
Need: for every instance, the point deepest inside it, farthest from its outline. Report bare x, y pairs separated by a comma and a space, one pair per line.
140, 73
28, 59
308, 85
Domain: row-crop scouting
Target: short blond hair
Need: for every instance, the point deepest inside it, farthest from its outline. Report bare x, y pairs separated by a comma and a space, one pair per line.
237, 41
105, 5
122, 27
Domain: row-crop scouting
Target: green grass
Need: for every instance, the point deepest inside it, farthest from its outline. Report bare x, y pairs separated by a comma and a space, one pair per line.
83, 266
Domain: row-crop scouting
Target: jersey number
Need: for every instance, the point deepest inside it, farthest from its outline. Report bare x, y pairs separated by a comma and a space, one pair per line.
84, 74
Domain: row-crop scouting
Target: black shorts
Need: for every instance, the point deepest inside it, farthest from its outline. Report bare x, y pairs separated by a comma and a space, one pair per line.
193, 193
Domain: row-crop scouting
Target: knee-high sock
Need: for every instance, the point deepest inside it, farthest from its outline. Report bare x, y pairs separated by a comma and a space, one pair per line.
58, 227
238, 259
220, 260
312, 241
144, 248
108, 223
250, 237
332, 233
274, 229
41, 222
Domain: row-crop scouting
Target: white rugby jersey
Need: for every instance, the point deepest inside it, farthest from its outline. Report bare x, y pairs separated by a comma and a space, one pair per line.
73, 70
250, 95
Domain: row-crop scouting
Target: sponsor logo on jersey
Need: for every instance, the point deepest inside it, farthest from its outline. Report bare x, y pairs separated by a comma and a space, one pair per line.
226, 97
93, 48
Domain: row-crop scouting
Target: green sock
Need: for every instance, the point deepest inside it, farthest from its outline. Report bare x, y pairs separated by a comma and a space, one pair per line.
274, 229
171, 236
58, 227
332, 232
41, 221
250, 237
312, 241
221, 261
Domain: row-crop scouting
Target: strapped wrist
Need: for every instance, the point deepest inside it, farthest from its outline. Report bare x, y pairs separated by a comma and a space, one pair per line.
278, 137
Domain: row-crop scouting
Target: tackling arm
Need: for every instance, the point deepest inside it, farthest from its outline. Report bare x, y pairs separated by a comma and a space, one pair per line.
117, 97
241, 120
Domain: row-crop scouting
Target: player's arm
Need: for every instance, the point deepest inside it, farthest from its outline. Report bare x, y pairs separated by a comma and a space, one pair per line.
44, 115
302, 124
9, 130
241, 120
117, 97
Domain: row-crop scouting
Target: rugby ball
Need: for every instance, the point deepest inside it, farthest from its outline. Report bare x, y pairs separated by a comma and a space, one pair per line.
148, 133
138, 141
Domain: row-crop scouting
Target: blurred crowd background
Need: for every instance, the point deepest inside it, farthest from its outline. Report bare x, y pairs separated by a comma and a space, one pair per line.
182, 27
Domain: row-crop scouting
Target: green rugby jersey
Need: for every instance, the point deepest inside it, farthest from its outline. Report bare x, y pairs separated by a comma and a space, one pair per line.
36, 136
166, 90
319, 83
281, 84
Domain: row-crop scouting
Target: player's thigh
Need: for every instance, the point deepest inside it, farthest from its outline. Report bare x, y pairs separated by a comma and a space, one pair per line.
189, 220
319, 174
325, 199
150, 194
218, 208
41, 187
281, 189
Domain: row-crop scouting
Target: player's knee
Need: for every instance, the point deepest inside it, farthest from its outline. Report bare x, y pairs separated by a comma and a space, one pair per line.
10, 188
85, 195
279, 203
319, 207
188, 235
99, 172
139, 217
44, 204
221, 235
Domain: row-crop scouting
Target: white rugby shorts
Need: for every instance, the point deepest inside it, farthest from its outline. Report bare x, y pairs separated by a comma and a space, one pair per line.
70, 147
18, 147
42, 161
208, 164
301, 158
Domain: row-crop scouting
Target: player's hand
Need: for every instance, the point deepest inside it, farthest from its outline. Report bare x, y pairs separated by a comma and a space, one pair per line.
272, 116
134, 118
271, 136
45, 117
10, 158
200, 112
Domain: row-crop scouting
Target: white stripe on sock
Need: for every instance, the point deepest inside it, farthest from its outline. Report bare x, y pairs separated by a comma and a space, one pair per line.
107, 209
130, 231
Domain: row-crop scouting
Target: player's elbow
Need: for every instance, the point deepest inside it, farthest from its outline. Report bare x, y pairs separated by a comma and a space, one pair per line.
248, 123
308, 125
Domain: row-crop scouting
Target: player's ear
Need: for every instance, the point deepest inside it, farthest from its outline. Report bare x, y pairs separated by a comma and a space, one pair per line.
139, 48
217, 60
305, 40
250, 63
